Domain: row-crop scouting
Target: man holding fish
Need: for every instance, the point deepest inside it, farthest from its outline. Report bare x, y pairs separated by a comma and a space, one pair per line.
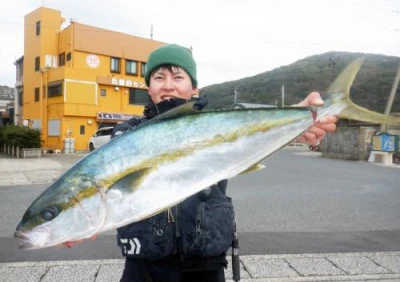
189, 241
162, 183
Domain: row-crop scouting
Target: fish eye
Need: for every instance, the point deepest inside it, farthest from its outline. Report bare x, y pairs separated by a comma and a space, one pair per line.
49, 213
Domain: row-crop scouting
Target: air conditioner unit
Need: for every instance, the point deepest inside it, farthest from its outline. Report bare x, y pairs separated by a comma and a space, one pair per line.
48, 61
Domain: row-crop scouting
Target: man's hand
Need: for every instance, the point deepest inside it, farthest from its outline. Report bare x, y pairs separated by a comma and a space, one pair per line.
316, 132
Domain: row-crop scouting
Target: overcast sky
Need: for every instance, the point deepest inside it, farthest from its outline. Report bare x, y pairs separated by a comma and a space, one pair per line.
231, 39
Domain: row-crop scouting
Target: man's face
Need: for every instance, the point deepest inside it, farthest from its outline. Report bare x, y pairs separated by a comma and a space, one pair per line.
165, 84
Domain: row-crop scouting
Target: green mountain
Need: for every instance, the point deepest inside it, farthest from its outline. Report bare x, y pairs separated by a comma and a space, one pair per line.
371, 87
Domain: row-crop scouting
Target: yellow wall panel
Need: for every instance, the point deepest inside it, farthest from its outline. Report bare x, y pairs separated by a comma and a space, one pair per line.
80, 92
78, 109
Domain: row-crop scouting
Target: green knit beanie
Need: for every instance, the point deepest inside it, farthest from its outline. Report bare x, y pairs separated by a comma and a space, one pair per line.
172, 54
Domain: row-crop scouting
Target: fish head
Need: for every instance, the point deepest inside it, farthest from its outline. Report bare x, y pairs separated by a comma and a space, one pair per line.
61, 215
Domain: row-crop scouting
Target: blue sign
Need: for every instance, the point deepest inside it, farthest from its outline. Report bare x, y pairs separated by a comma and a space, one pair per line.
388, 143
385, 142
114, 116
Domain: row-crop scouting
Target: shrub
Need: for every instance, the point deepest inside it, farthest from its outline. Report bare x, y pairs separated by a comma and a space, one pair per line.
20, 136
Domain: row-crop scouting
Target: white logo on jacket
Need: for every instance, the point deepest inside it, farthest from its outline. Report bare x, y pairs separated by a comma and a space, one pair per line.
134, 246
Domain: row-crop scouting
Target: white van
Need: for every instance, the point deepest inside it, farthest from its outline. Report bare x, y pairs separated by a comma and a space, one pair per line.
101, 137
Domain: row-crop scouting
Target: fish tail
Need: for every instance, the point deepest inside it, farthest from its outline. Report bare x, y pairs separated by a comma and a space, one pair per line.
340, 94
356, 112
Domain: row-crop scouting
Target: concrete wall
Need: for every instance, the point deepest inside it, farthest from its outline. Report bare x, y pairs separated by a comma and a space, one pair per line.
348, 143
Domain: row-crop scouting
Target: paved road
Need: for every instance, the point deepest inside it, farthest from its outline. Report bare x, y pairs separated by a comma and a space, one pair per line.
302, 203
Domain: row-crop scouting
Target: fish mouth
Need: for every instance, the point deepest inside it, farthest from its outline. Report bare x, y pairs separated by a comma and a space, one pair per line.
25, 243
20, 235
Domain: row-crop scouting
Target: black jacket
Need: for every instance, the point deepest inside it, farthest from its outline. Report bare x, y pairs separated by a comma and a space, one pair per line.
201, 227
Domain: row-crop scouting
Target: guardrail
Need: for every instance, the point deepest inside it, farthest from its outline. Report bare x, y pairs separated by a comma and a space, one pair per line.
18, 152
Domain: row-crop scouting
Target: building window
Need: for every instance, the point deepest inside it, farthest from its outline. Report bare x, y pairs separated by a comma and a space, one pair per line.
103, 92
138, 96
38, 28
82, 130
131, 67
116, 65
54, 91
142, 69
54, 127
37, 94
69, 56
37, 64
61, 59
20, 98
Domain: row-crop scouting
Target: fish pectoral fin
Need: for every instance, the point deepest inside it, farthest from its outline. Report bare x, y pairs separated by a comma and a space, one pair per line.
253, 168
130, 182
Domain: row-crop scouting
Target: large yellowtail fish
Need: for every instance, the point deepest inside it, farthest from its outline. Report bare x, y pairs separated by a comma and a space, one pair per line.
165, 160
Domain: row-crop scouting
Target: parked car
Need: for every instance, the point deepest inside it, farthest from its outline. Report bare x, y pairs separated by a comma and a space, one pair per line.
314, 148
101, 137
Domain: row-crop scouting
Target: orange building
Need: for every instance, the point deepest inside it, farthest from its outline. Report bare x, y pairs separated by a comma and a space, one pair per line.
73, 80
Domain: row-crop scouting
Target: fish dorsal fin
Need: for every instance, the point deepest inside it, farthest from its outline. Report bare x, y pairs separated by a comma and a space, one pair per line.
181, 110
130, 182
344, 81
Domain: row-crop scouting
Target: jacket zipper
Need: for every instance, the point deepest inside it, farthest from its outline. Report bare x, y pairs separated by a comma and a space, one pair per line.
177, 233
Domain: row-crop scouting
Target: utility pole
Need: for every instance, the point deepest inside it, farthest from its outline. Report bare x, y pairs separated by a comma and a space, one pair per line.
283, 95
391, 98
235, 97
